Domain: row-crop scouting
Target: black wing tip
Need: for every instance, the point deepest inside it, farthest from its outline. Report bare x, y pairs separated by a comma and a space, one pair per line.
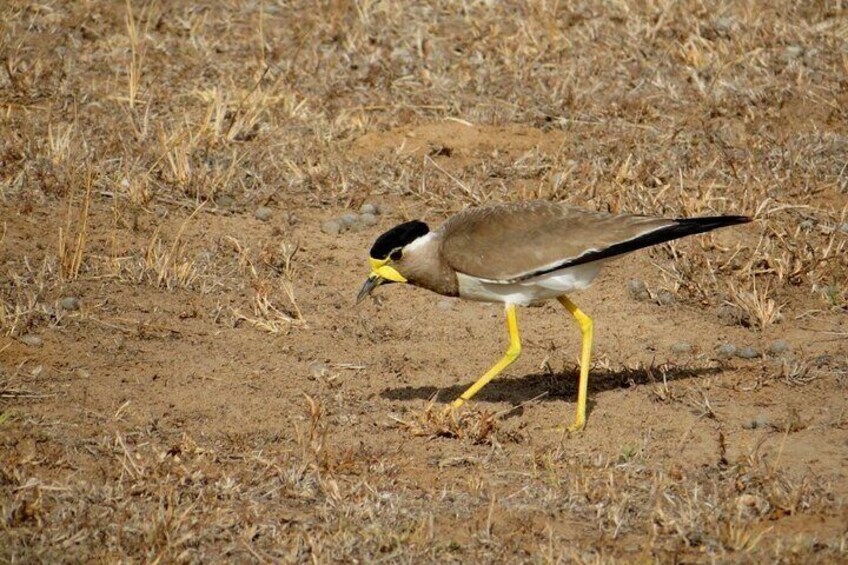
702, 224
728, 220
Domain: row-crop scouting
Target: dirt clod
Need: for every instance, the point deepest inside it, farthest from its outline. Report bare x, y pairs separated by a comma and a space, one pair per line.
32, 340
369, 208
779, 347
70, 303
638, 290
368, 219
665, 298
332, 227
747, 352
726, 350
263, 213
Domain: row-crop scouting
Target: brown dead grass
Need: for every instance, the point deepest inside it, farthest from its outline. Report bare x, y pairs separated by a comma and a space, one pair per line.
175, 416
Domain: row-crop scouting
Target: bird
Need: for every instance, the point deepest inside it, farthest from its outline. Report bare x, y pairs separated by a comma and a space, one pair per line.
521, 254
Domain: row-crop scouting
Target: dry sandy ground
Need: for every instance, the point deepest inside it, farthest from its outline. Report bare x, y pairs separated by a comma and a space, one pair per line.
214, 395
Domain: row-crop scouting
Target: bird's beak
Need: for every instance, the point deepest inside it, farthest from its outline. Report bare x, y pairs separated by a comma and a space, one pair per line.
381, 273
373, 281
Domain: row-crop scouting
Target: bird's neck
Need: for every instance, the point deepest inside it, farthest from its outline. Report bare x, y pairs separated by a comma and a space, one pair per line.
424, 266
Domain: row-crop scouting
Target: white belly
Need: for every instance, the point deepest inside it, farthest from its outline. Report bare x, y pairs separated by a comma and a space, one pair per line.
537, 289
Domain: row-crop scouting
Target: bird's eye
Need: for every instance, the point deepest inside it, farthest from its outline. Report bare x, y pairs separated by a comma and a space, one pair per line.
396, 255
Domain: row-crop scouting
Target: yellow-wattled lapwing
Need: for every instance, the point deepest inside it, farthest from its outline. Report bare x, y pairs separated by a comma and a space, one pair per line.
520, 254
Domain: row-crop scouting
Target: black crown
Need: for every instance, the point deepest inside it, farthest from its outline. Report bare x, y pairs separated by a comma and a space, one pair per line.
399, 236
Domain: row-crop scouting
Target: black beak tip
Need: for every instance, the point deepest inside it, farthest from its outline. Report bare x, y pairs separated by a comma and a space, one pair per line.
370, 284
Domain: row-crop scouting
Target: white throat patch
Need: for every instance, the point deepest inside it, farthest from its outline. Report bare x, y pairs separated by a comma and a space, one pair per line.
420, 242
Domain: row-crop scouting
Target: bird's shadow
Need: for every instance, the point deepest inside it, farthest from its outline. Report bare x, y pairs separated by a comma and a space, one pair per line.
553, 386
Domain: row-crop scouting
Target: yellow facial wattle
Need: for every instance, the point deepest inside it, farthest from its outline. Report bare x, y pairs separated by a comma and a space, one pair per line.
380, 268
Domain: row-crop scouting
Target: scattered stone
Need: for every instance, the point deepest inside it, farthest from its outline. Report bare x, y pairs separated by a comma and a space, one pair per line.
747, 352
638, 290
681, 348
349, 219
263, 213
369, 208
665, 298
318, 369
779, 347
723, 26
806, 225
225, 201
445, 304
793, 51
732, 316
70, 303
726, 350
32, 340
368, 219
332, 227
844, 228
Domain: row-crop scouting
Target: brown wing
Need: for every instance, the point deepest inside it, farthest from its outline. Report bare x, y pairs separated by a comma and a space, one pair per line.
516, 241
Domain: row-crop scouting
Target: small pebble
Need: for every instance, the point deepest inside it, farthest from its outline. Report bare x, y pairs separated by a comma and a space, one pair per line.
225, 201
723, 25
806, 225
318, 369
445, 304
637, 289
70, 303
665, 298
263, 213
747, 352
779, 347
726, 350
793, 51
844, 228
367, 219
32, 340
681, 347
332, 227
350, 218
368, 208
731, 316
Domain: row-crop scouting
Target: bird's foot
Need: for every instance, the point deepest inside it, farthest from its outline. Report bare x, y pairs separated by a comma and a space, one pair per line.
576, 427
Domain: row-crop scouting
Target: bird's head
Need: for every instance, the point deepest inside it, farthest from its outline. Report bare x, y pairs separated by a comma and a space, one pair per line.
387, 256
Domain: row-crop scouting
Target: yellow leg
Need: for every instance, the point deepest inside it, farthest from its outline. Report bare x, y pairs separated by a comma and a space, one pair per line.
511, 355
586, 329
